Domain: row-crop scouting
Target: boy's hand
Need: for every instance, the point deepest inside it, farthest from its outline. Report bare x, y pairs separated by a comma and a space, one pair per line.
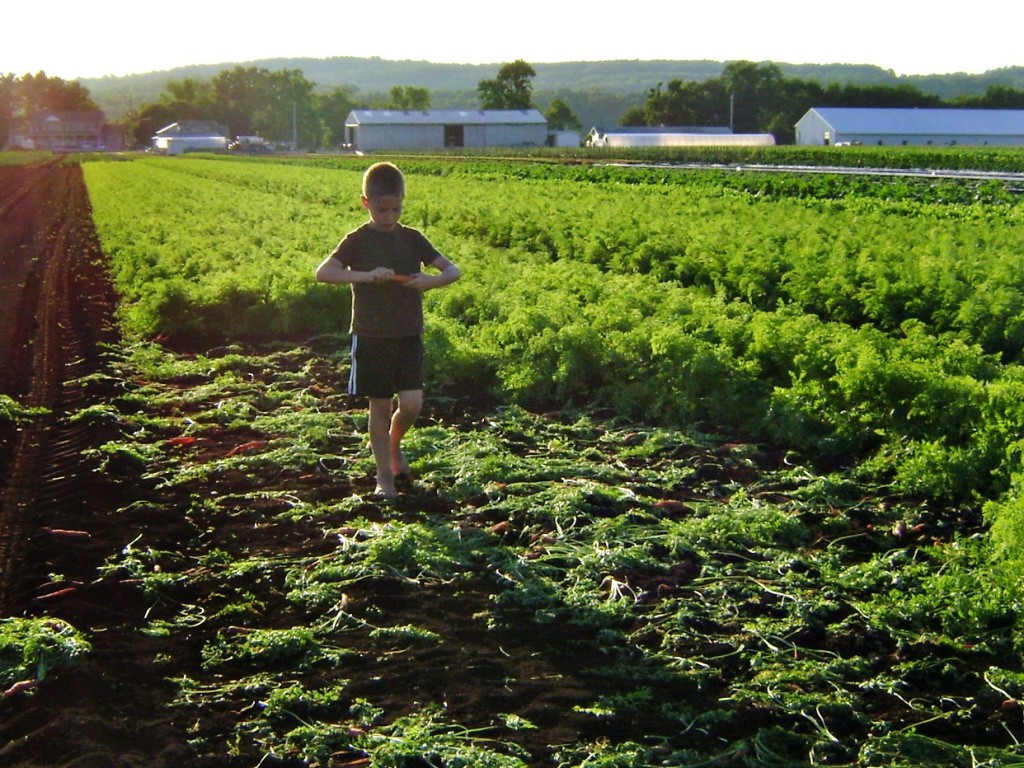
418, 282
380, 275
424, 282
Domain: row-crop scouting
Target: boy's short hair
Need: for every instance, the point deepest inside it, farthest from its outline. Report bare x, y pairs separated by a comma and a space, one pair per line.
383, 179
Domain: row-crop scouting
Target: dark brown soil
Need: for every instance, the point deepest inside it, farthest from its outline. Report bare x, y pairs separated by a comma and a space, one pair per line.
56, 309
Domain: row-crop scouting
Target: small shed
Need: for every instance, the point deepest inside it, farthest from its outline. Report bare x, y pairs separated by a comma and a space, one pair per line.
839, 126
564, 139
700, 136
191, 136
382, 129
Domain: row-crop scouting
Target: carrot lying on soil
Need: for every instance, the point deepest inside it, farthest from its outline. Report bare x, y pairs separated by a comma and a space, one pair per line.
22, 685
252, 445
58, 593
67, 533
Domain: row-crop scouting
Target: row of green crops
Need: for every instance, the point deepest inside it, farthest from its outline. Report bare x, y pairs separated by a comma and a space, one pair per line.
883, 253
23, 158
995, 159
194, 254
953, 158
879, 330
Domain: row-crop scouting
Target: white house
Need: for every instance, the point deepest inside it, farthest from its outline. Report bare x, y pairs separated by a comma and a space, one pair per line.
642, 136
191, 136
382, 129
824, 126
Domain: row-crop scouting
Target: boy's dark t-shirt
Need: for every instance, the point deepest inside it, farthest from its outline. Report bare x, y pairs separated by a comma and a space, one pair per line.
386, 310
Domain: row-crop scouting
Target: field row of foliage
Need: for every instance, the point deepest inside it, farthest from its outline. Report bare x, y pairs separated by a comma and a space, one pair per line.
23, 158
993, 160
880, 328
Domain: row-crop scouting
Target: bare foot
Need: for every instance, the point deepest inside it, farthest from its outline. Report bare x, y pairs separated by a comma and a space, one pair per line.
399, 465
386, 491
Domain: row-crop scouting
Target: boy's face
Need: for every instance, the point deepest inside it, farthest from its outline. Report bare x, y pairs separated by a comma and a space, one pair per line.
385, 210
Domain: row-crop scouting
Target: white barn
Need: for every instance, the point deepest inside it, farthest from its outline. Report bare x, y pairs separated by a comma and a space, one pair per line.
668, 137
191, 136
824, 126
383, 129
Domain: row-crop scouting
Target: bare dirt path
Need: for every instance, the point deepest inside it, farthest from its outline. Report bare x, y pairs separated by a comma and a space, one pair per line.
56, 511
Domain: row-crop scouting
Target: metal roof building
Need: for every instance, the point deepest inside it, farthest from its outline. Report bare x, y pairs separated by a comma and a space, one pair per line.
676, 137
191, 136
824, 126
383, 129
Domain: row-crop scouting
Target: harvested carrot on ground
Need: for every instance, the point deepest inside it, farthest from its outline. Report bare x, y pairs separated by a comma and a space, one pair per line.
249, 447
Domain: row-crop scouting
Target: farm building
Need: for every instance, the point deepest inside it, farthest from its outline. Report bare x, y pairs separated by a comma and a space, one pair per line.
644, 136
564, 139
191, 136
67, 131
824, 126
375, 129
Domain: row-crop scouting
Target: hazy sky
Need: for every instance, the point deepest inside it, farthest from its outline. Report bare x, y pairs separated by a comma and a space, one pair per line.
71, 38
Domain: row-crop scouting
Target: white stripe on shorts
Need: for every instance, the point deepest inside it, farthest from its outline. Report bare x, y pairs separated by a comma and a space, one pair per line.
352, 367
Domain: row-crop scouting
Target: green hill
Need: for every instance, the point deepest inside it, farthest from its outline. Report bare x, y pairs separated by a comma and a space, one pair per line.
599, 91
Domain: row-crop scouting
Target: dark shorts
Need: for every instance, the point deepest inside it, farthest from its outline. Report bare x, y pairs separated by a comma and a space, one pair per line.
384, 367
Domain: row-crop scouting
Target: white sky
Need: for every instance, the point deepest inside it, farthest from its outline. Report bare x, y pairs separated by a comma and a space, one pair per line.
71, 38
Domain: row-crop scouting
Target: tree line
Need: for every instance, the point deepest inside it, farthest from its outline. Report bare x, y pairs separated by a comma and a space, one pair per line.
285, 106
26, 95
280, 105
757, 98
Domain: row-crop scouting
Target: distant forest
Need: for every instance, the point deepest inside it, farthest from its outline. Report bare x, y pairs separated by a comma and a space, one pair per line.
600, 93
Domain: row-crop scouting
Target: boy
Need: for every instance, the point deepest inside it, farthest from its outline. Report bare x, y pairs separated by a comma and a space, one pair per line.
381, 260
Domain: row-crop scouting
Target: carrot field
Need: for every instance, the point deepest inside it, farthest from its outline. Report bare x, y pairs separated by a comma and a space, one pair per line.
717, 467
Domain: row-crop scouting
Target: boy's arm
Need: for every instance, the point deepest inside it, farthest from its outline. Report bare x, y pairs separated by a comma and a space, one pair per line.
331, 270
448, 273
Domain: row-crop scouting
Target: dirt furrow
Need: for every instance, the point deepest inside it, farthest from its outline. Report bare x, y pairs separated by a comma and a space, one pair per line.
56, 313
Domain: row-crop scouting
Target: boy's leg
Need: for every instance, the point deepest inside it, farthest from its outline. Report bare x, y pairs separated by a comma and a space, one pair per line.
380, 444
410, 403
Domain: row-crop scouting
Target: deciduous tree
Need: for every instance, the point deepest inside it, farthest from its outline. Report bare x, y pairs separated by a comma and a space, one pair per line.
333, 109
8, 101
39, 92
410, 97
511, 89
274, 105
560, 117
